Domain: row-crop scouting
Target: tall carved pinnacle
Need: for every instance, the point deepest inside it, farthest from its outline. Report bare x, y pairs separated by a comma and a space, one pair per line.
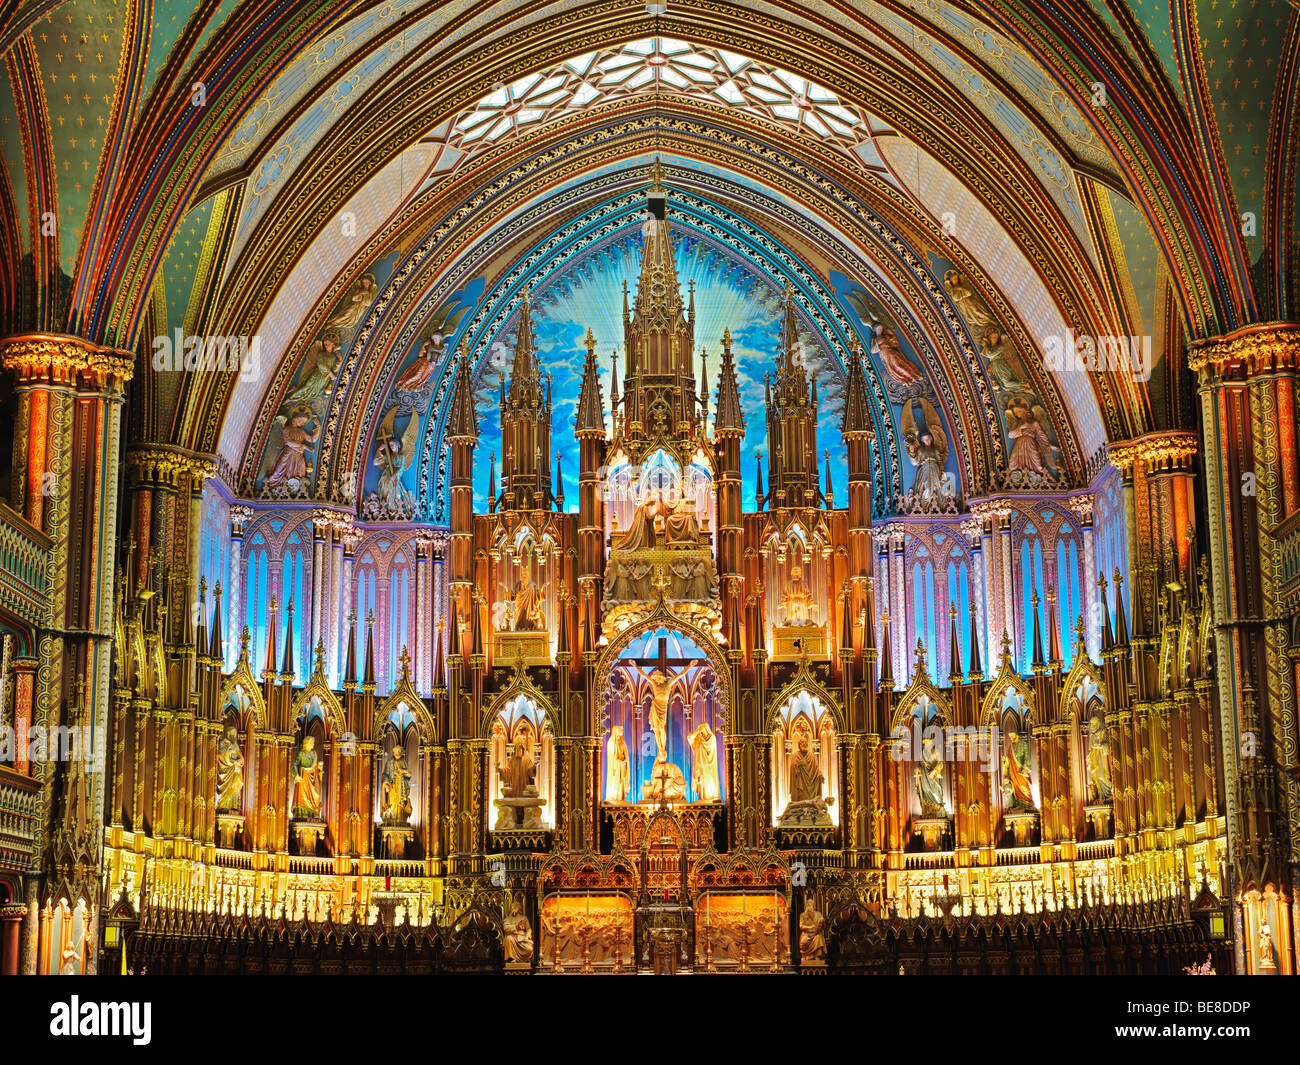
525, 383
857, 414
590, 416
350, 658
658, 303
727, 416
463, 424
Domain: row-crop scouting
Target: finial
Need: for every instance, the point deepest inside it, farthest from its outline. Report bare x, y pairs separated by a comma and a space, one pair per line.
320, 658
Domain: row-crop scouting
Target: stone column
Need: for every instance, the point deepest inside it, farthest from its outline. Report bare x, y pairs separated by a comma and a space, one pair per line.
1252, 481
1081, 505
66, 459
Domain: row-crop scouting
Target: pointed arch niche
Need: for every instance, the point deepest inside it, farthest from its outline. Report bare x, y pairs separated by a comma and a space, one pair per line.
804, 716
521, 756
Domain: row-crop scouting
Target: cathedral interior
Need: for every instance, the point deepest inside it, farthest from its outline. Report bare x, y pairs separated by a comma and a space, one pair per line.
727, 486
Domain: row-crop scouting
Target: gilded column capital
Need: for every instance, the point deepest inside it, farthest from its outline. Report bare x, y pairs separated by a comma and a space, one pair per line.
54, 359
972, 529
991, 510
1081, 505
240, 515
1165, 451
163, 464
326, 519
1266, 347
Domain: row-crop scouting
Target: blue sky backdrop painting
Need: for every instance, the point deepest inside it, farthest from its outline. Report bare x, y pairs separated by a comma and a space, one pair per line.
729, 294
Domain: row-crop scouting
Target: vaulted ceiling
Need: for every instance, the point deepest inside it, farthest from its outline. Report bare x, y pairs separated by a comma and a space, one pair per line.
976, 178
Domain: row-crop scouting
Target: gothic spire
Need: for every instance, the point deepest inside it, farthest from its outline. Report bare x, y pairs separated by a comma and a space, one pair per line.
369, 679
727, 415
857, 413
590, 416
954, 645
976, 667
462, 425
288, 671
350, 658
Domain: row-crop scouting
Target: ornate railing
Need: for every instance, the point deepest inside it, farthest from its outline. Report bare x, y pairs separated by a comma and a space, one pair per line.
17, 820
24, 554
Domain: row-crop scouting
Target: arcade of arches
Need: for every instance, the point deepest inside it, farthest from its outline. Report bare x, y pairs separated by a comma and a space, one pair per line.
605, 487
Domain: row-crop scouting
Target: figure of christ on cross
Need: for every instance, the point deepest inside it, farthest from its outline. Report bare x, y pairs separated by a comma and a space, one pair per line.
667, 781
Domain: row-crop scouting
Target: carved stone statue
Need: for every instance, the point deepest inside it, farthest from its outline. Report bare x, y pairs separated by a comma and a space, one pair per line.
395, 789
519, 805
806, 805
704, 764
618, 769
681, 527
517, 934
812, 934
230, 770
627, 580
928, 776
640, 533
667, 782
796, 604
528, 598
1099, 784
1016, 791
307, 781
691, 580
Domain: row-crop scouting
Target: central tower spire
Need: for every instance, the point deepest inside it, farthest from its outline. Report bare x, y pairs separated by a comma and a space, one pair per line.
659, 335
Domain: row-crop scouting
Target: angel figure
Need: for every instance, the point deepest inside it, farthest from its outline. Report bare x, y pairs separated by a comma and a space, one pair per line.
885, 343
1003, 367
324, 358
292, 466
394, 456
927, 449
348, 314
427, 360
972, 308
1031, 450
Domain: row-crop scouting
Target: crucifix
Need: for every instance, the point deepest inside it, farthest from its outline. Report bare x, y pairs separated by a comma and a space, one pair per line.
663, 675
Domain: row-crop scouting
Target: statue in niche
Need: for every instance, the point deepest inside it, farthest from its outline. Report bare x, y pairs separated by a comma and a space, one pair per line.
667, 782
618, 767
681, 526
1003, 369
806, 805
1098, 762
971, 306
528, 601
519, 806
292, 468
812, 934
928, 777
704, 764
691, 580
640, 533
307, 781
520, 769
1016, 791
395, 788
517, 934
230, 770
796, 604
